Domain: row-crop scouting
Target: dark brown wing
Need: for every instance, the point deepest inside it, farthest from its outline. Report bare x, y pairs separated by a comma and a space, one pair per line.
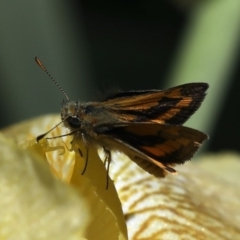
173, 106
155, 147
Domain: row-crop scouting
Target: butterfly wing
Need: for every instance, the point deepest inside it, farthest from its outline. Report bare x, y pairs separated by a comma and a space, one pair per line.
172, 106
154, 147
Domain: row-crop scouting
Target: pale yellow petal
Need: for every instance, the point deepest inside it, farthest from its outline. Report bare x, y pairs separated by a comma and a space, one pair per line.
97, 174
192, 205
33, 204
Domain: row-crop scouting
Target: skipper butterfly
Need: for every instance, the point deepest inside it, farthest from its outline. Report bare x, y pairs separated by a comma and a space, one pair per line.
145, 125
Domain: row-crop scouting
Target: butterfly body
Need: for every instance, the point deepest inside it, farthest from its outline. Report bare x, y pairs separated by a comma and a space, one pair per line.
145, 125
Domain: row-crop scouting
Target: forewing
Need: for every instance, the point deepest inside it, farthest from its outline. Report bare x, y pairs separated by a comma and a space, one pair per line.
173, 106
155, 147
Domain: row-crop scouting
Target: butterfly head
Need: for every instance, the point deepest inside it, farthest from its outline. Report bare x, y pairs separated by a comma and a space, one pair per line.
70, 115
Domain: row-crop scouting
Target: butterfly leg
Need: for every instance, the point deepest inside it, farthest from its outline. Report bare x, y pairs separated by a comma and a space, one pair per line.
86, 162
107, 161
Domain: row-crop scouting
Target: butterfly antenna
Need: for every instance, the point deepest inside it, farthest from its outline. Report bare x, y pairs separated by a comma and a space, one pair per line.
55, 82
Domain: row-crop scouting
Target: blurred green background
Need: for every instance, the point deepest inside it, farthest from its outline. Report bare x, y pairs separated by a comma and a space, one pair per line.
89, 46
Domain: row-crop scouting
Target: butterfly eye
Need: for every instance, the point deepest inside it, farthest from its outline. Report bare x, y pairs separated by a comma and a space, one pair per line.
74, 122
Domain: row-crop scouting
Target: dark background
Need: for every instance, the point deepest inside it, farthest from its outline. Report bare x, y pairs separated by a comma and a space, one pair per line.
99, 45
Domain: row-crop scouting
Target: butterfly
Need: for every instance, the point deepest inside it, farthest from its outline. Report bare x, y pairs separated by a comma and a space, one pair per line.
144, 125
